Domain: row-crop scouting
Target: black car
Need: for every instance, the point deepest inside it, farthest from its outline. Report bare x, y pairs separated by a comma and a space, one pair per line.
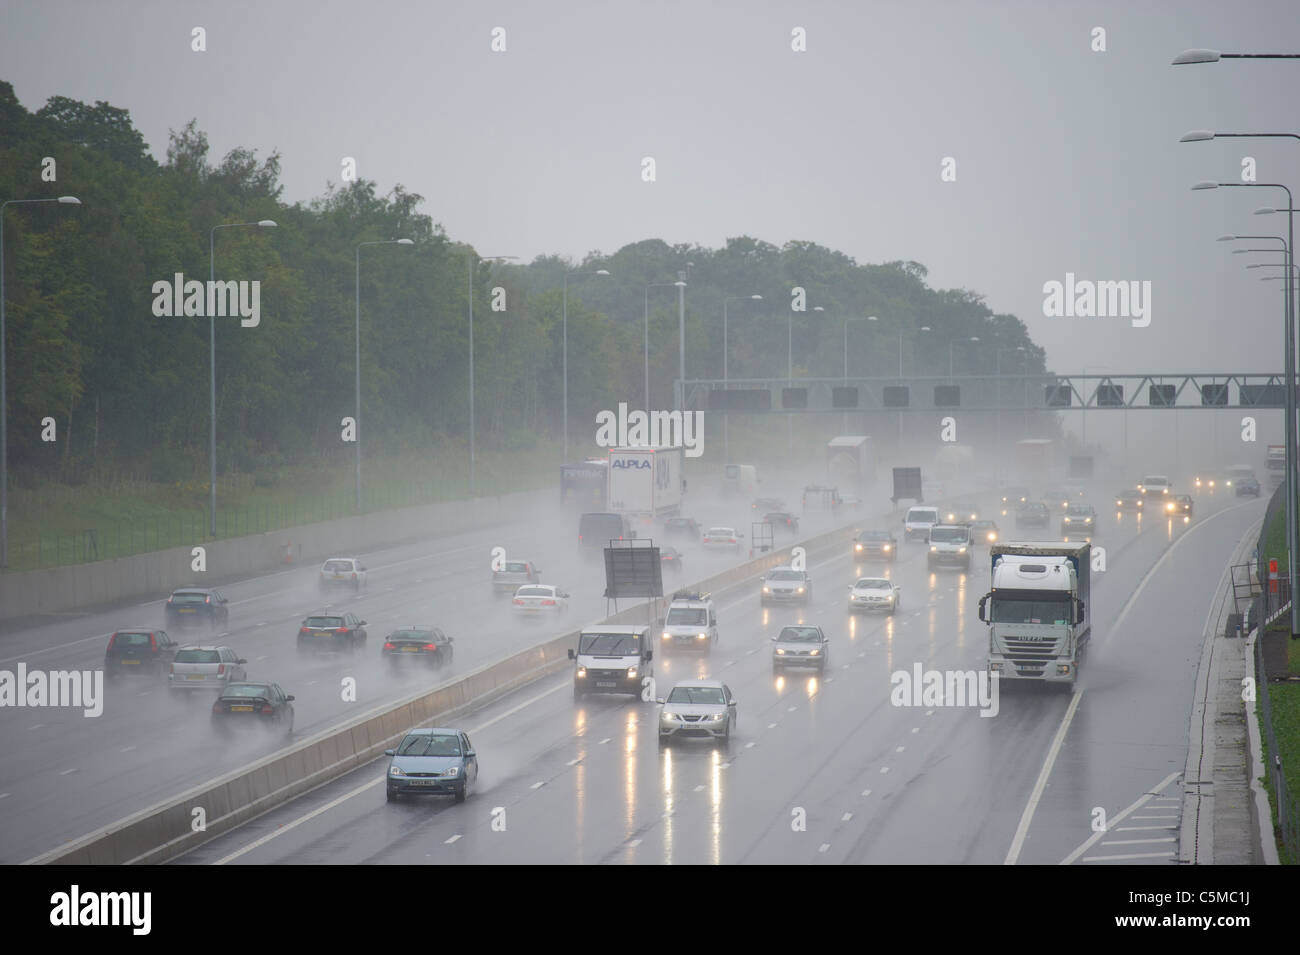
1033, 514
428, 645
257, 703
670, 558
1179, 505
139, 651
687, 527
764, 504
331, 631
1247, 487
782, 520
880, 544
196, 606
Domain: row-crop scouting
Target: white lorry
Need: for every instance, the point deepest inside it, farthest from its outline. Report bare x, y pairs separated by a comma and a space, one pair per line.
1038, 610
645, 483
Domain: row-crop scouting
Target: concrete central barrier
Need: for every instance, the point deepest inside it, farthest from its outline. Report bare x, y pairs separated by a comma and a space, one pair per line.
165, 830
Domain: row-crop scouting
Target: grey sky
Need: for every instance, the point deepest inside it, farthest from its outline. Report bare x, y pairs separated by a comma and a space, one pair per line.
1067, 160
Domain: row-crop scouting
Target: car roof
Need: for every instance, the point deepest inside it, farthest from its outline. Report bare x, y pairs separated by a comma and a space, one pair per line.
192, 590
195, 646
231, 686
619, 629
430, 730
715, 684
328, 559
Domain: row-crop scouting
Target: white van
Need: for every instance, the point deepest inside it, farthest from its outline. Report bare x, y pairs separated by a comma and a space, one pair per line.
1155, 485
740, 479
691, 623
919, 520
611, 660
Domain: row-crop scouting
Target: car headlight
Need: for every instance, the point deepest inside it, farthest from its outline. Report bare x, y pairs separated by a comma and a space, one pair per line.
857, 547
813, 653
1119, 503
667, 635
668, 717
961, 550
933, 549
701, 636
631, 672
395, 771
780, 652
767, 589
1087, 520
718, 716
1139, 503
1067, 520
886, 547
798, 590
452, 771
582, 671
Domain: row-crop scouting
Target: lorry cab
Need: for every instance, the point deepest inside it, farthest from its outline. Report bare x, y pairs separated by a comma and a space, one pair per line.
611, 659
691, 623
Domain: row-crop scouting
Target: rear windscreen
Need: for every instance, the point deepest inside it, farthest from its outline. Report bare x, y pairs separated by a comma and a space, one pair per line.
131, 640
329, 622
188, 598
923, 514
198, 656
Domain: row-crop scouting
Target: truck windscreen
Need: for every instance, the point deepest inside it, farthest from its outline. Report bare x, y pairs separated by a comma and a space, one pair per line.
1051, 611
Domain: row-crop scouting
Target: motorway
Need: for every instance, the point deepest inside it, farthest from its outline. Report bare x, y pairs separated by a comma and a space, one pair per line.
65, 775
827, 770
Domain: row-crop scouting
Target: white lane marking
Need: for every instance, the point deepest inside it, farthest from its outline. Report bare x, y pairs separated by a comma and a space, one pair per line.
447, 842
726, 765
127, 749
67, 771
35, 726
883, 770
605, 740
1144, 828
1026, 817
260, 659
1143, 855
4, 795
262, 623
771, 726
866, 792
538, 785
1133, 842
899, 749
1138, 804
792, 709
699, 788
749, 745
823, 847
916, 729
374, 782
634, 843
575, 761
846, 817
929, 712
1163, 815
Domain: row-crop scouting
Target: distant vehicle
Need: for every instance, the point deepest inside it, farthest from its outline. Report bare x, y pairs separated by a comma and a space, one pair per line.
611, 659
597, 529
1076, 488
1058, 499
740, 479
961, 516
144, 650
645, 482
432, 762
722, 538
764, 504
1206, 479
786, 585
802, 646
874, 593
697, 709
330, 631
534, 599
1238, 473
1033, 514
851, 462
342, 572
1155, 484
257, 703
782, 520
1080, 520
670, 558
850, 501
1247, 487
425, 645
918, 521
196, 607
819, 497
950, 545
682, 527
1129, 500
984, 532
1015, 495
882, 544
513, 575
691, 623
205, 668
1179, 505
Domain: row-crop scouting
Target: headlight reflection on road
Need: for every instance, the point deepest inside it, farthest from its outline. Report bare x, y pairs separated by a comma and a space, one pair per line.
666, 764
630, 729
715, 808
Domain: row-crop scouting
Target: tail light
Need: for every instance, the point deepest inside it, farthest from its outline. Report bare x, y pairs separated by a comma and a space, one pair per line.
172, 669
153, 642
342, 631
431, 646
216, 707
207, 599
519, 600
579, 538
548, 603
266, 709
221, 669
304, 629
389, 646
354, 575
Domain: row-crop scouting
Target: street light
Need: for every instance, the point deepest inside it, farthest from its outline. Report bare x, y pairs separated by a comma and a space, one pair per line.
647, 334
212, 368
1213, 56
4, 407
356, 424
950, 344
844, 416
470, 259
726, 417
565, 350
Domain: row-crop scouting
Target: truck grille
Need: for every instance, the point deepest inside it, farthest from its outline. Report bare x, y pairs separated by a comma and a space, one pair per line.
1030, 657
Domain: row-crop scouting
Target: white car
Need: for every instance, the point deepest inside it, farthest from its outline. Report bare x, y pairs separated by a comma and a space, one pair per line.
533, 599
874, 593
919, 520
205, 668
721, 538
343, 572
698, 709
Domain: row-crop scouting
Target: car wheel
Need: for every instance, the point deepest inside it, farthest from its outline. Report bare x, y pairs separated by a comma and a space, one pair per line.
460, 793
392, 795
664, 741
288, 730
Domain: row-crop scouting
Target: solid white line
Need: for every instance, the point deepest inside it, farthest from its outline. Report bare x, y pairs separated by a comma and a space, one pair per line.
1022, 831
447, 842
538, 785
1140, 828
575, 761
1144, 855
634, 843
67, 771
1133, 842
1138, 804
605, 740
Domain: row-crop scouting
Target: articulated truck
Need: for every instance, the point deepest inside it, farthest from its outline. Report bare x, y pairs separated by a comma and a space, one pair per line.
645, 483
1038, 610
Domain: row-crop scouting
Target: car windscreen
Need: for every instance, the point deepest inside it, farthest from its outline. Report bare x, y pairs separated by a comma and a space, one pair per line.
732, 470
247, 691
1034, 508
337, 567
921, 514
188, 597
198, 656
516, 567
949, 535
131, 640
534, 592
785, 575
609, 644
424, 635
871, 583
323, 622
430, 744
1031, 610
720, 532
696, 694
1077, 511
687, 616
799, 635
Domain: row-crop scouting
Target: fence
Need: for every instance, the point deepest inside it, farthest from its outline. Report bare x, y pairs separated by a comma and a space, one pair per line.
1267, 607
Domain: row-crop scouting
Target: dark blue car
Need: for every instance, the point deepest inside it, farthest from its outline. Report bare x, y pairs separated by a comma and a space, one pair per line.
432, 762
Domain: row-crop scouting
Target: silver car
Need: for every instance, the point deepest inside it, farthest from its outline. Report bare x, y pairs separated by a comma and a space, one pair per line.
786, 585
874, 593
205, 668
803, 646
700, 709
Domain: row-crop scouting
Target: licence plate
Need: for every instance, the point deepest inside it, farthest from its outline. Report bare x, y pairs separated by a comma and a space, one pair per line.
192, 677
410, 649
187, 610
340, 577
130, 663
241, 709
423, 782
606, 683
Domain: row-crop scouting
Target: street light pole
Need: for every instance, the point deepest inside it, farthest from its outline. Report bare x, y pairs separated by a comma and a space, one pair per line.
4, 406
844, 416
565, 350
356, 424
470, 259
726, 416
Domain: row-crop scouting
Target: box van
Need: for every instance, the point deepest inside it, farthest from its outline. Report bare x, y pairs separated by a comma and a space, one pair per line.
1155, 484
691, 623
949, 544
740, 479
919, 520
597, 529
614, 659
